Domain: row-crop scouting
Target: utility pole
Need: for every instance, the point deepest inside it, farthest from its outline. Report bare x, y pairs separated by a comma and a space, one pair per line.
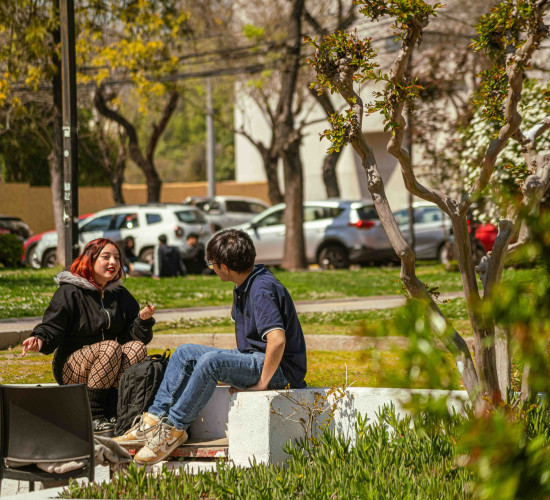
210, 141
70, 157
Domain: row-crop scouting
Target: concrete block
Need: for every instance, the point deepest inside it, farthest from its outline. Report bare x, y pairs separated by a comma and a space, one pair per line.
212, 420
260, 423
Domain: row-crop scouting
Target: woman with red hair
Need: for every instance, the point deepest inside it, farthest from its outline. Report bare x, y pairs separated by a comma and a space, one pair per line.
95, 327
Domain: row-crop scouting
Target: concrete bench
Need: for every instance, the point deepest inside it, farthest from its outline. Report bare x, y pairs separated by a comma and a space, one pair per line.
257, 424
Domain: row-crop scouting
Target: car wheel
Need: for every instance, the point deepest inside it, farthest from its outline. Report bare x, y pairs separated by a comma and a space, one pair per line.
147, 256
30, 257
50, 258
446, 254
333, 257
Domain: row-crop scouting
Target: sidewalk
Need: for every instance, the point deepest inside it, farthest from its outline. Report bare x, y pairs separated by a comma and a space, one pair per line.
14, 331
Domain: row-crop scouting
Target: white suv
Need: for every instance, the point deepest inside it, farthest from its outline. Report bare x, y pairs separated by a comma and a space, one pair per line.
145, 223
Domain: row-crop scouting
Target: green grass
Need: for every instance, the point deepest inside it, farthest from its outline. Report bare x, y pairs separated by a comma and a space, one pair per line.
325, 368
27, 292
325, 323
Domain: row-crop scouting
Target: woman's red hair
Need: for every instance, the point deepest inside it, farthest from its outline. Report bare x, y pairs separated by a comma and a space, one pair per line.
83, 265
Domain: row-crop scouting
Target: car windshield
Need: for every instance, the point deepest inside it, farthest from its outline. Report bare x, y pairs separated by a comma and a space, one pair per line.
367, 212
190, 217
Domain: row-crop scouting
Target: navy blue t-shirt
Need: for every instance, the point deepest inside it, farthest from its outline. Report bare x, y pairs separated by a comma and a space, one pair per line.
262, 304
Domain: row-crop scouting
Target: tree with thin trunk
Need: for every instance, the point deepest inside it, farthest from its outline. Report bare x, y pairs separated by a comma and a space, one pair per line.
29, 52
287, 114
137, 45
510, 34
144, 159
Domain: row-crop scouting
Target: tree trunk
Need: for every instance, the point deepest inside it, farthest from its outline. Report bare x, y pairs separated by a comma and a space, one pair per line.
153, 183
294, 256
484, 336
55, 158
503, 360
288, 144
329, 174
271, 163
331, 160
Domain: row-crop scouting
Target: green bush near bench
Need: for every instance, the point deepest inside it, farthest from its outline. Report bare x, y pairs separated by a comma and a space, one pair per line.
10, 250
432, 455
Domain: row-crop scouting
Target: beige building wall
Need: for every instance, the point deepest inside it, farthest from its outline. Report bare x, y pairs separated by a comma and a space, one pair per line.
34, 204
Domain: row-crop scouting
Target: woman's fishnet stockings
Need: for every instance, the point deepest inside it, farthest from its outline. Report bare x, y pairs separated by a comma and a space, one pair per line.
132, 353
101, 365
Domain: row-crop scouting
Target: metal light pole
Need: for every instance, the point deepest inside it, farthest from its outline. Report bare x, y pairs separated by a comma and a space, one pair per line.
70, 157
210, 142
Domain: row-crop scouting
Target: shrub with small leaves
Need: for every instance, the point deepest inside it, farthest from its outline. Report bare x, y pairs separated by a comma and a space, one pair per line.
10, 250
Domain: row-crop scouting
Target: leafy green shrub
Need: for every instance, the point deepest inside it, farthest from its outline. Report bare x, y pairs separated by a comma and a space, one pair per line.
389, 459
10, 250
503, 454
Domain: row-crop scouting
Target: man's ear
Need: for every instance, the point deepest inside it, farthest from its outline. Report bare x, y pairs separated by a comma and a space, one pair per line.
224, 268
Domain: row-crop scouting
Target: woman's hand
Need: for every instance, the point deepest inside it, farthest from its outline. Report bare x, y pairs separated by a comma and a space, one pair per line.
147, 312
31, 344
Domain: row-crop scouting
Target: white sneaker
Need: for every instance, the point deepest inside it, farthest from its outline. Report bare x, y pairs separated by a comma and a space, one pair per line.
164, 441
141, 431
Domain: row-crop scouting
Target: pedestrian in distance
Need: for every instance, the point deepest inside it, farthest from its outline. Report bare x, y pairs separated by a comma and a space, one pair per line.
132, 265
270, 353
96, 328
129, 246
168, 261
194, 256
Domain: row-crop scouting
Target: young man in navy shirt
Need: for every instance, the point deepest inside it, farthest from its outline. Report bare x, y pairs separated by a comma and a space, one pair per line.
270, 353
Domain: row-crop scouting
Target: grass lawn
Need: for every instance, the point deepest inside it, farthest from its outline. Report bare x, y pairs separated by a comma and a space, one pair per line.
327, 323
365, 369
27, 292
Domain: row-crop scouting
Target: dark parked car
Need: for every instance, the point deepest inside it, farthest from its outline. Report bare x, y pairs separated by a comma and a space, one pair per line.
14, 225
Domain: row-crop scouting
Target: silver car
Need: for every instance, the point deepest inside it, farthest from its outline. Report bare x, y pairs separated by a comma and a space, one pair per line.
432, 228
337, 233
225, 211
145, 223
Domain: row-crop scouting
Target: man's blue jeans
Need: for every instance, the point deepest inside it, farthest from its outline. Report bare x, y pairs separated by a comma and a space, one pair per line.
193, 373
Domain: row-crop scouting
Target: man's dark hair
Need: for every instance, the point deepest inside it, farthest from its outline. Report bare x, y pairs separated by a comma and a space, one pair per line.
193, 235
163, 239
232, 247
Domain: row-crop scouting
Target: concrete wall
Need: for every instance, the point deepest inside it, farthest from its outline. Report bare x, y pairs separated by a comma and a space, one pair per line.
34, 204
260, 423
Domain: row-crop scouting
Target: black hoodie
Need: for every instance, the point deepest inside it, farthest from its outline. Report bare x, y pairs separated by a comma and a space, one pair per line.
80, 314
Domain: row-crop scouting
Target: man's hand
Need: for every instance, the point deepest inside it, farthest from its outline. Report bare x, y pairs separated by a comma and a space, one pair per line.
275, 348
256, 387
31, 344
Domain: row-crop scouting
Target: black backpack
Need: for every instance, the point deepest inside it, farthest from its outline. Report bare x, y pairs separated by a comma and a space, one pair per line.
137, 389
